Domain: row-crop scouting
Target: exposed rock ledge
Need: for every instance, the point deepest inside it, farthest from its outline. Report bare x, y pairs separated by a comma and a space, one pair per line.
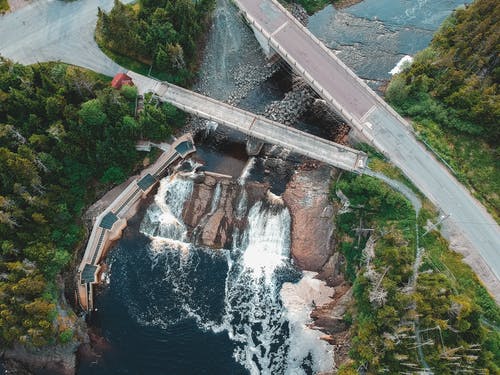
306, 196
329, 318
210, 216
54, 360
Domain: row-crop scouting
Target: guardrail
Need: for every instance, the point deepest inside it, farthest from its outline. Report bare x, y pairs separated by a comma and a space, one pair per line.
175, 95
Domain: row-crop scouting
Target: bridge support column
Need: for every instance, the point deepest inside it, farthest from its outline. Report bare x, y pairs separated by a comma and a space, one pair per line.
264, 43
253, 146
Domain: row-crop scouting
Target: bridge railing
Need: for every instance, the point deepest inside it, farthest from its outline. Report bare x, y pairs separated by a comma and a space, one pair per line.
302, 71
343, 65
247, 119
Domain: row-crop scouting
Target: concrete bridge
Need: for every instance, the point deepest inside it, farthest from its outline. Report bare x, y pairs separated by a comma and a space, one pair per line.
280, 33
110, 223
53, 30
253, 125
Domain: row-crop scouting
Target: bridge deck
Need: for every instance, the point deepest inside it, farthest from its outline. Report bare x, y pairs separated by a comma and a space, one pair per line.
255, 126
381, 125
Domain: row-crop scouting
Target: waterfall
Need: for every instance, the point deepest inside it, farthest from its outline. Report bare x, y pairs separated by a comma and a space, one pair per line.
210, 127
254, 317
246, 171
163, 220
237, 291
267, 241
215, 199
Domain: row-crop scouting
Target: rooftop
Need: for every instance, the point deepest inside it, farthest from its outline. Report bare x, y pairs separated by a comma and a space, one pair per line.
108, 221
146, 182
88, 274
184, 148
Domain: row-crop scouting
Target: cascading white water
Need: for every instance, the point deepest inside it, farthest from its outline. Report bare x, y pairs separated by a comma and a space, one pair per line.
246, 171
267, 241
215, 199
254, 316
163, 220
252, 312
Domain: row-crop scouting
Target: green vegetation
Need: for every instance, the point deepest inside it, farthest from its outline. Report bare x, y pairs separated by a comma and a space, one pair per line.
452, 309
4, 6
451, 91
62, 130
449, 295
157, 35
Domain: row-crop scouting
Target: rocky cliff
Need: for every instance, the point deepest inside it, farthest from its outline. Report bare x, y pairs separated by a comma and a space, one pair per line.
306, 196
218, 205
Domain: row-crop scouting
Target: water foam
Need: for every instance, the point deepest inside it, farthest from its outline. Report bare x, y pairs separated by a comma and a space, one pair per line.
401, 65
267, 241
254, 315
270, 338
299, 300
163, 220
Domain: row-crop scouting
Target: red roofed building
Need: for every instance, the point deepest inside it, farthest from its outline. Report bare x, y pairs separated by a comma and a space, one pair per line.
121, 79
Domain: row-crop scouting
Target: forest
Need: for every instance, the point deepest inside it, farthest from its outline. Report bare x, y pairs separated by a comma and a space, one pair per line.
446, 307
162, 35
451, 93
65, 136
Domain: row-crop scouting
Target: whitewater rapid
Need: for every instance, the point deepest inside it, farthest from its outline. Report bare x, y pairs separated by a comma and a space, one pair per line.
270, 336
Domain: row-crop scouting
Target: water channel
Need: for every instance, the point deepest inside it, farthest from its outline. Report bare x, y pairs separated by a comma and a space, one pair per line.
169, 307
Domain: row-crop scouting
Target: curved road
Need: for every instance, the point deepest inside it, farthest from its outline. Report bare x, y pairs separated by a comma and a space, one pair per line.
382, 127
49, 30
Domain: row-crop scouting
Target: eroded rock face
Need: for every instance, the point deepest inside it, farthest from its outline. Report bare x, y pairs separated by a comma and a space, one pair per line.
211, 213
329, 318
306, 196
219, 224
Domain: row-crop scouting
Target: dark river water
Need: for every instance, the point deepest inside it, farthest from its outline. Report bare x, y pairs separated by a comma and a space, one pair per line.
372, 36
139, 314
171, 308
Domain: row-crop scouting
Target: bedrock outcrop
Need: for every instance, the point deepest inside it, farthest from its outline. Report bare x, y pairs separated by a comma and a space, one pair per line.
306, 196
217, 206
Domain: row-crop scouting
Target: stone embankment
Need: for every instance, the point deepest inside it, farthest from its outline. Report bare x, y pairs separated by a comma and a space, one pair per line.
295, 103
247, 78
299, 13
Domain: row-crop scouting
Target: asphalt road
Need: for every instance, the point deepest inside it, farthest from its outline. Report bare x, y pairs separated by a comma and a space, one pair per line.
49, 30
380, 125
56, 30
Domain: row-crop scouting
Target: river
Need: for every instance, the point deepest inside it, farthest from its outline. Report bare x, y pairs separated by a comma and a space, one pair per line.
169, 307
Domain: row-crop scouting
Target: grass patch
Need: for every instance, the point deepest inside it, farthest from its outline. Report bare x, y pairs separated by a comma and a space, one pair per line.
379, 163
125, 61
439, 258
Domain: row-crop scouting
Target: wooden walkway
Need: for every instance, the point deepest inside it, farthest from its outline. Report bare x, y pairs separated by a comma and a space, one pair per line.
109, 224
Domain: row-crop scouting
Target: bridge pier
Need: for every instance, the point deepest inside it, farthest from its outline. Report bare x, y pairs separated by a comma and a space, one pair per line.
269, 52
253, 146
